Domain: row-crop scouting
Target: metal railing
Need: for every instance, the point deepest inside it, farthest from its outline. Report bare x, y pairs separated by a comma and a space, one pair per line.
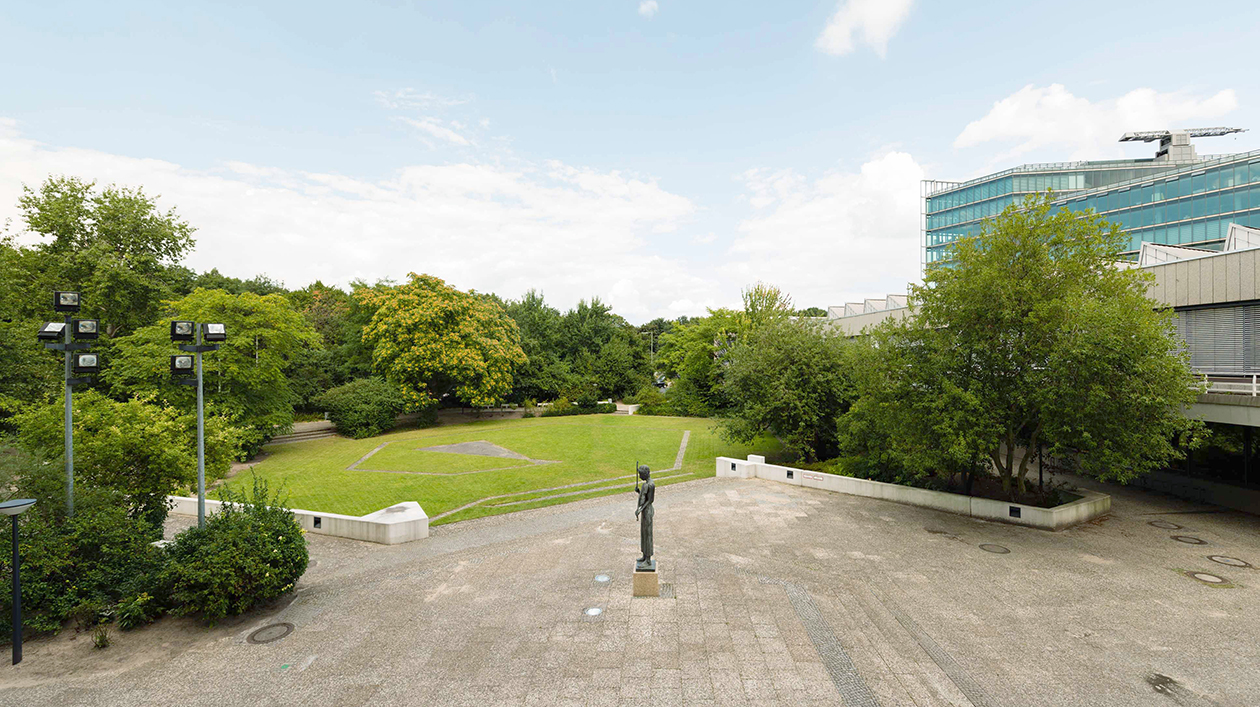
1231, 383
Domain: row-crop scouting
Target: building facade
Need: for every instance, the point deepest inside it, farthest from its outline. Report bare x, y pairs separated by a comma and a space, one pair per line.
1174, 198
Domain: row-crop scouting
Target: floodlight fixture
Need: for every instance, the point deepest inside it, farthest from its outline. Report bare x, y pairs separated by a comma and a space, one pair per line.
213, 332
87, 363
183, 331
181, 365
51, 331
86, 328
66, 301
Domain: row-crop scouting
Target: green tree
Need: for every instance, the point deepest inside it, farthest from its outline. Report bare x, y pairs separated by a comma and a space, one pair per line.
244, 380
545, 375
1031, 334
28, 374
139, 449
790, 380
694, 354
433, 340
113, 245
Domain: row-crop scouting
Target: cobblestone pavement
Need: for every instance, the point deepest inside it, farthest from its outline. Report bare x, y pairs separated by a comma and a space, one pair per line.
772, 594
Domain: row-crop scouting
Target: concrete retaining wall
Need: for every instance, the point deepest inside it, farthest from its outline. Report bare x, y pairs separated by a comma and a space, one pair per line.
1202, 490
400, 523
1089, 506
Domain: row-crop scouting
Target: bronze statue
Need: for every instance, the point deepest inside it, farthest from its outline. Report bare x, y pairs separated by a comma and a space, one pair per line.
643, 513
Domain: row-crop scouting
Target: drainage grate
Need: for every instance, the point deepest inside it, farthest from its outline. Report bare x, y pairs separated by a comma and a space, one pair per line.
1165, 525
1189, 540
267, 634
667, 590
1231, 561
995, 549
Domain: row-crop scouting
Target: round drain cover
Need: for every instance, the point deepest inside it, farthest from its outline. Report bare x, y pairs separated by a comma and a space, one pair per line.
1231, 561
1165, 525
996, 549
267, 634
1209, 578
602, 578
1189, 540
593, 611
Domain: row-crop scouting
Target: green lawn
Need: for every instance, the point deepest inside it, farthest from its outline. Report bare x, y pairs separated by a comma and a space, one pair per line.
587, 449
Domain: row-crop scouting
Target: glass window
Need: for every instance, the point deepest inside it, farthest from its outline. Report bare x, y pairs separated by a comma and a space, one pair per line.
1227, 177
1200, 231
1212, 204
1238, 200
1254, 170
1213, 179
1157, 191
1196, 183
1145, 197
1172, 188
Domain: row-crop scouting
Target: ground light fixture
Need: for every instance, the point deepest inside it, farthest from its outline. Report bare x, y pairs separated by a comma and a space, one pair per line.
86, 329
66, 301
15, 508
183, 331
51, 331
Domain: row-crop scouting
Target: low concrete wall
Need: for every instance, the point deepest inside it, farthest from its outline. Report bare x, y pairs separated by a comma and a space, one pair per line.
400, 523
1089, 506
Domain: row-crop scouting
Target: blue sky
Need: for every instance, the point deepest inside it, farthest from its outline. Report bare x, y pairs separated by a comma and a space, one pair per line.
661, 155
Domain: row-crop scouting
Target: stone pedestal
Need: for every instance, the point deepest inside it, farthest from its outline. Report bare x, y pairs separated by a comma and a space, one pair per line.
647, 582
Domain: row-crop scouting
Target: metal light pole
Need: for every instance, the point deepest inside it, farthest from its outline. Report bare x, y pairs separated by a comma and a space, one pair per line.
68, 303
15, 508
185, 331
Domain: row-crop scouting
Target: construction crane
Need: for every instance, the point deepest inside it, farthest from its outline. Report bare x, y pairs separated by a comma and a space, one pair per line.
1174, 145
1153, 135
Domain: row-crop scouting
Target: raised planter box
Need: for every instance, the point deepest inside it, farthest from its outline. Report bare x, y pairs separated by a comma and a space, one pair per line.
400, 523
1090, 505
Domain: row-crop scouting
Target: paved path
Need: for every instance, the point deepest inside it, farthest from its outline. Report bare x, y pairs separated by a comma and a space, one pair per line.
773, 594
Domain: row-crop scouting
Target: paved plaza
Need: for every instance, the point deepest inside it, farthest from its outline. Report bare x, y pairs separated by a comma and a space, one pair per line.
772, 594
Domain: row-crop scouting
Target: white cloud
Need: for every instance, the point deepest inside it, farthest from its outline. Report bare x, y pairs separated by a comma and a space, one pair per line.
1034, 118
869, 22
411, 98
572, 231
842, 237
648, 8
434, 128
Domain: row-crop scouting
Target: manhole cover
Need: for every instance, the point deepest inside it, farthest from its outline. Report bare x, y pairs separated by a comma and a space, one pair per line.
593, 611
602, 578
996, 549
1209, 578
1189, 540
1231, 561
1165, 525
267, 634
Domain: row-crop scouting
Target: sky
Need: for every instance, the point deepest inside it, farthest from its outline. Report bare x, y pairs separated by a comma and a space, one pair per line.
659, 154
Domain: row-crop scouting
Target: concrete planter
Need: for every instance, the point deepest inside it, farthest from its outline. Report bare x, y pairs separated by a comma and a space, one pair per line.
1090, 505
400, 523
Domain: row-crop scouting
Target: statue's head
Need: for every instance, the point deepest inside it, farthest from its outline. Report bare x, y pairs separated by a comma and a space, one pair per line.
644, 472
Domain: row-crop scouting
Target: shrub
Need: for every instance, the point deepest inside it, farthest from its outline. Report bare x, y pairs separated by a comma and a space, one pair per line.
362, 408
251, 551
100, 636
137, 611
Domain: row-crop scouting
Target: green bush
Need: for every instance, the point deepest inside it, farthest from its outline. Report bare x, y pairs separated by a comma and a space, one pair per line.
251, 551
362, 408
137, 611
562, 407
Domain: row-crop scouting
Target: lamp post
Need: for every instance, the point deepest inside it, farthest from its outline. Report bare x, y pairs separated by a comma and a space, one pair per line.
83, 330
181, 367
15, 508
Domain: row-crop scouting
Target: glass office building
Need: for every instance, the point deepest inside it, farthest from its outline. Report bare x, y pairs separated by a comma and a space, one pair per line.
1159, 200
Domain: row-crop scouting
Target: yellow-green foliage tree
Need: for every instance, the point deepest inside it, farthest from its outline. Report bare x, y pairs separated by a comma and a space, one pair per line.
431, 340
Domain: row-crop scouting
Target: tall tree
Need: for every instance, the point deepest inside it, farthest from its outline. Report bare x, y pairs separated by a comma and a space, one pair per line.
113, 244
433, 340
244, 380
1039, 337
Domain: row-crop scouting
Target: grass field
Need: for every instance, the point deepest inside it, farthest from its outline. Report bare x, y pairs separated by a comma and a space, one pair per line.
569, 459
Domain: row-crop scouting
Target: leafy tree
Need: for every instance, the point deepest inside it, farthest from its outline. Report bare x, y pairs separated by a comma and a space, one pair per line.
244, 380
766, 304
1031, 334
693, 356
545, 375
811, 312
28, 373
790, 380
138, 449
114, 245
433, 340
585, 331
